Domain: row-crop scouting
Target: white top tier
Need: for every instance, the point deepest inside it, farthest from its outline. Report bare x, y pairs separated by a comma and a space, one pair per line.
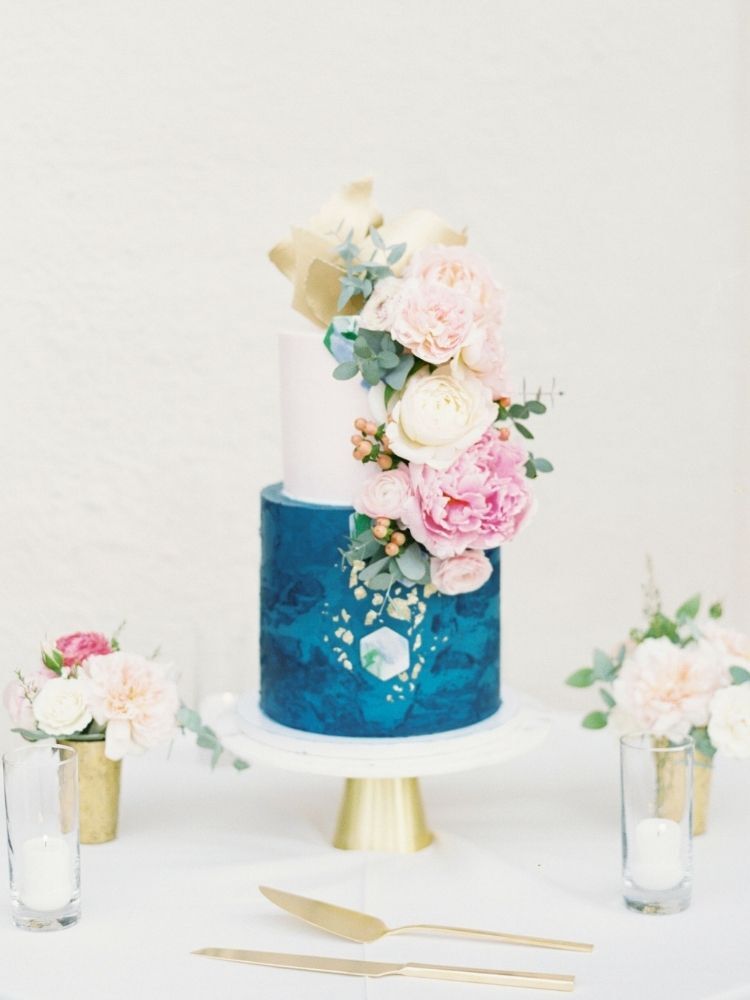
317, 422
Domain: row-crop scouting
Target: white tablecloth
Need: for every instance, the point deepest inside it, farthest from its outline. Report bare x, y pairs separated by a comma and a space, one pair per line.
531, 846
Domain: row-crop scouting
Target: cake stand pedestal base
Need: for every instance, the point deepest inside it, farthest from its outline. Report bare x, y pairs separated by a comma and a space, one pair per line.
382, 814
382, 805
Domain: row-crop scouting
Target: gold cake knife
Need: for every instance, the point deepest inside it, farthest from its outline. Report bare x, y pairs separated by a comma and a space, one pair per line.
361, 927
414, 970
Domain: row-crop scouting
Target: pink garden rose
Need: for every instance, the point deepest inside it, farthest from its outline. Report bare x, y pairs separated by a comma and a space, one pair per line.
484, 356
431, 320
78, 646
478, 502
134, 698
464, 272
461, 574
378, 311
385, 494
667, 689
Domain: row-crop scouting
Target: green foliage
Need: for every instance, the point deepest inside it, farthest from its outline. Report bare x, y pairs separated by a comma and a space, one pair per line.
188, 718
414, 564
607, 698
716, 610
739, 675
377, 358
360, 276
53, 660
688, 610
604, 668
595, 720
582, 678
702, 741
32, 735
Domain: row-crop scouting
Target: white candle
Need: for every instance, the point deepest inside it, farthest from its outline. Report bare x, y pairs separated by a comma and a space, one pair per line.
46, 881
657, 860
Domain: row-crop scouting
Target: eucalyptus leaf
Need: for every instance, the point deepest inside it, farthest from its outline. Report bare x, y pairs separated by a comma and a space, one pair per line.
361, 348
716, 610
376, 238
240, 765
523, 431
381, 582
397, 378
396, 252
689, 609
388, 360
581, 678
536, 406
739, 675
519, 411
373, 569
412, 562
32, 735
702, 741
347, 369
595, 720
607, 698
604, 668
543, 465
370, 372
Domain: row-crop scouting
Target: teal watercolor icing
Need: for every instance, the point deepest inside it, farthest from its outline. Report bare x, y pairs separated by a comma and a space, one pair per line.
340, 659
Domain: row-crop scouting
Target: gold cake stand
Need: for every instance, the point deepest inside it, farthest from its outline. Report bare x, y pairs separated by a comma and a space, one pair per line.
381, 808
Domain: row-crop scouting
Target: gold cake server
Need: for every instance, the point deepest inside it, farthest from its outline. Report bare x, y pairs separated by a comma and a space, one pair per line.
361, 927
415, 970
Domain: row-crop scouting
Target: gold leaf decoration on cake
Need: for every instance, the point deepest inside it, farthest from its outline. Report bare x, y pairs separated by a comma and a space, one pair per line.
310, 261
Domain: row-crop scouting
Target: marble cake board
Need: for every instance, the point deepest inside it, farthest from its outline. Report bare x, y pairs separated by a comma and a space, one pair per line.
382, 805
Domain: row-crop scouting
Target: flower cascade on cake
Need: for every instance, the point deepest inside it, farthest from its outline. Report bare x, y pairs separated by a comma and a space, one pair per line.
418, 317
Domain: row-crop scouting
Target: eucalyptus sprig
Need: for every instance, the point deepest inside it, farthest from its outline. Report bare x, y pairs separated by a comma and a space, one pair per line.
377, 357
360, 276
518, 414
188, 718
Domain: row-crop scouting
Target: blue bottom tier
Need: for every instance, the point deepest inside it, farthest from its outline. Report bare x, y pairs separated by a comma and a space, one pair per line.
339, 659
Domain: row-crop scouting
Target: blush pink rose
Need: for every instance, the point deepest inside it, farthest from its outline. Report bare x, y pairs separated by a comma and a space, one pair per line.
484, 356
464, 272
478, 502
385, 494
78, 646
134, 698
431, 320
461, 574
378, 310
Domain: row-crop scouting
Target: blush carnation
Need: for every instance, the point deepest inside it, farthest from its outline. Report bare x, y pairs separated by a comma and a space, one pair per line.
460, 574
478, 502
385, 494
78, 646
431, 320
667, 689
134, 698
464, 272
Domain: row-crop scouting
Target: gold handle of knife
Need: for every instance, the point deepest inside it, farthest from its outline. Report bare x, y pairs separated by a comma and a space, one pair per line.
520, 939
492, 977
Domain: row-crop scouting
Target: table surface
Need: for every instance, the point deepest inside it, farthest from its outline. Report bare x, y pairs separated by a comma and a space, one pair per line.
527, 846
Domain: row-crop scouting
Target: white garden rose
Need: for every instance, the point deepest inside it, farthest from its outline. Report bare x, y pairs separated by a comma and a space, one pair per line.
729, 725
61, 708
438, 415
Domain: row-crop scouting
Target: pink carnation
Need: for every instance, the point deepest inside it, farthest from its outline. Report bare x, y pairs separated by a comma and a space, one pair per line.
134, 698
385, 494
78, 646
465, 272
478, 502
431, 321
460, 574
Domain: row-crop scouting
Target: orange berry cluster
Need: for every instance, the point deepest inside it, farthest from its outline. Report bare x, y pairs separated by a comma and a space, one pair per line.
371, 444
383, 531
504, 433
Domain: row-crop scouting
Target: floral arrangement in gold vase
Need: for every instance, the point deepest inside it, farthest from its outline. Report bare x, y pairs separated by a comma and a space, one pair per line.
680, 675
106, 703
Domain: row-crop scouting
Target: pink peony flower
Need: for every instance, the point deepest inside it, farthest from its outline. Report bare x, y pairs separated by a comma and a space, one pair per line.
78, 646
465, 272
385, 494
134, 698
667, 689
484, 356
431, 320
378, 310
478, 502
461, 574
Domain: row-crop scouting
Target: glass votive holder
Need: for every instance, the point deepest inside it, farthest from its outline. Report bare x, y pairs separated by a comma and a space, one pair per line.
657, 800
41, 808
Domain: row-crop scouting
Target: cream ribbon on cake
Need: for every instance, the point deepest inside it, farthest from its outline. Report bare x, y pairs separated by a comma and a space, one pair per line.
310, 261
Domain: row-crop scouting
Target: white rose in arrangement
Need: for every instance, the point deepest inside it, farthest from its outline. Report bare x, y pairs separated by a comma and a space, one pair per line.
438, 415
61, 707
667, 689
733, 646
729, 726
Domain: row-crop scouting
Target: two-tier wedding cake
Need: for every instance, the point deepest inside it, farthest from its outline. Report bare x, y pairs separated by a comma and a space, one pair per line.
403, 477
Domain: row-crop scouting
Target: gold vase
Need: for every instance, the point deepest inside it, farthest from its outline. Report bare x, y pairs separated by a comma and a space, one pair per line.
670, 789
98, 791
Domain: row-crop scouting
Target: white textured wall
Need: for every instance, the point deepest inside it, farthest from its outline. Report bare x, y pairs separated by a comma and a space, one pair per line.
151, 152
